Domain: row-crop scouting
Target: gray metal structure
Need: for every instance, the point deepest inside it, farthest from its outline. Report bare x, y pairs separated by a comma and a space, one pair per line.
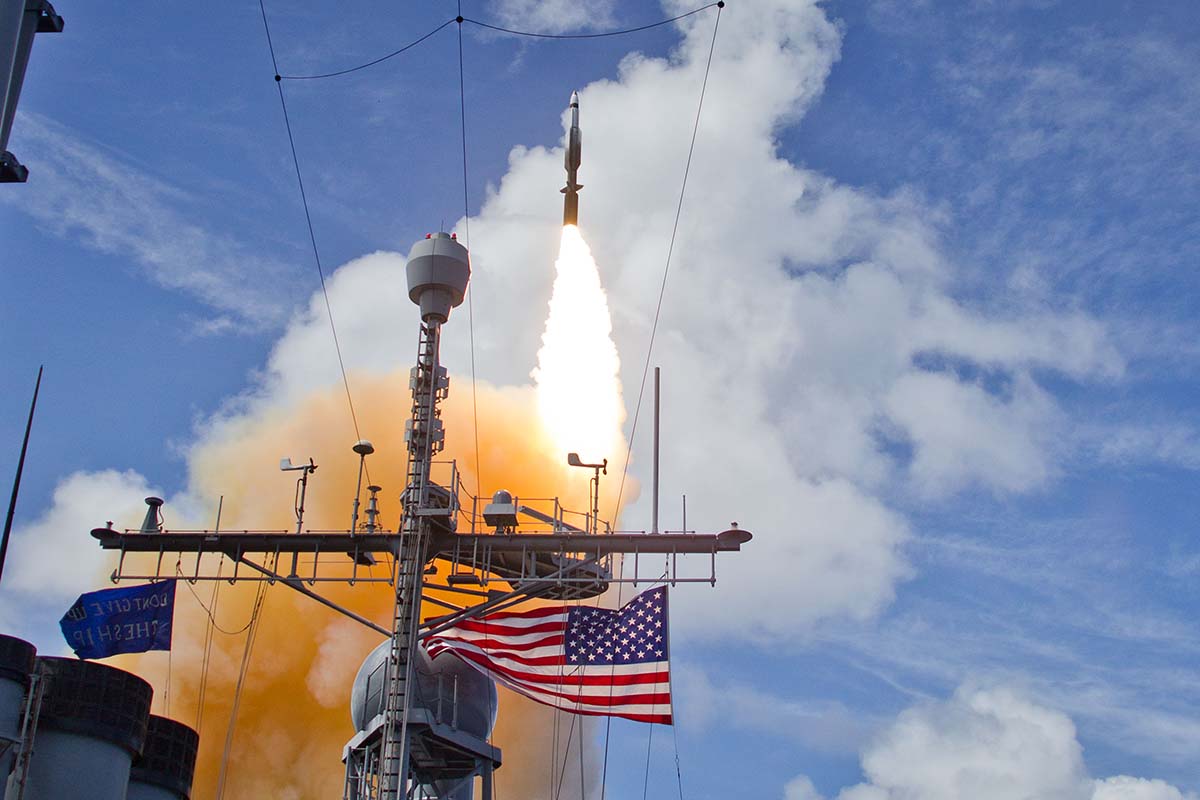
17, 658
495, 554
19, 21
167, 763
91, 724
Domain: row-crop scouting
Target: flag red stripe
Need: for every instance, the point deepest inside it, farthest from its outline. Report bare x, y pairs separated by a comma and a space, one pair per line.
500, 629
526, 651
543, 687
574, 675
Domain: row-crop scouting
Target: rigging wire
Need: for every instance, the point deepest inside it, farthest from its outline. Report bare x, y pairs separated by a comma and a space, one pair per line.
646, 779
210, 611
251, 634
601, 35
462, 106
460, 19
662, 289
392, 54
654, 330
206, 659
312, 236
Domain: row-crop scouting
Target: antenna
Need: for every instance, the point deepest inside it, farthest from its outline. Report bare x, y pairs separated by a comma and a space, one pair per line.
364, 449
574, 461
153, 521
286, 465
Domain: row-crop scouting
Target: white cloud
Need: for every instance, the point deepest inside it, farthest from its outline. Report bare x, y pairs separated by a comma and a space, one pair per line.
52, 560
961, 433
985, 744
84, 190
821, 725
801, 788
553, 16
47, 556
1124, 787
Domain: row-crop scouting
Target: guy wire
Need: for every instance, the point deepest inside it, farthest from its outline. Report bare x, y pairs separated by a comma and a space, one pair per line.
312, 236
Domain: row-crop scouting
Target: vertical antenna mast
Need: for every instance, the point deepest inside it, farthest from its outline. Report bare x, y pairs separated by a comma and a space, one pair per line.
438, 272
12, 504
654, 523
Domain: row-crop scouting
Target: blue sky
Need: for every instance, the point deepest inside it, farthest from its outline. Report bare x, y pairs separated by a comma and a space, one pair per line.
931, 334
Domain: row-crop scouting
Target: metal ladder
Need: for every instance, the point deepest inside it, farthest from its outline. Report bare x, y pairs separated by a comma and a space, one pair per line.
24, 749
425, 437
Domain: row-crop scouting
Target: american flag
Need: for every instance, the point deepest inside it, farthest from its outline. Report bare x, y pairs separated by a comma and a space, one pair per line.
577, 658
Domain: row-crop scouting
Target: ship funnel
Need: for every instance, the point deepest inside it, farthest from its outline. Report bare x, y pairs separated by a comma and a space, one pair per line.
153, 521
165, 768
90, 727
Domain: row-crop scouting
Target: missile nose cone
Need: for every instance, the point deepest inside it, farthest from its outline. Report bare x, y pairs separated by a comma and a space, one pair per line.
575, 99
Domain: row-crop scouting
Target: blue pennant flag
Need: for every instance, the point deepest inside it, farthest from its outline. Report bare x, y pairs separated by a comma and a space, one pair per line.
129, 619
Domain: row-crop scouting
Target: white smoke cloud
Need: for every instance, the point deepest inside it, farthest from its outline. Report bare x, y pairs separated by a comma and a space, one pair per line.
986, 744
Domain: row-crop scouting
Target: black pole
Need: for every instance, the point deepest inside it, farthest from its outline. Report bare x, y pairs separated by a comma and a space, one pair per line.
12, 504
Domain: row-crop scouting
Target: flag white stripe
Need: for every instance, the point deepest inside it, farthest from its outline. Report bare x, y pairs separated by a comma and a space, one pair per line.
554, 671
504, 640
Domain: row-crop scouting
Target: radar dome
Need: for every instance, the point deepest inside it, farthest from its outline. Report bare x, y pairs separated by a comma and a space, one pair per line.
438, 682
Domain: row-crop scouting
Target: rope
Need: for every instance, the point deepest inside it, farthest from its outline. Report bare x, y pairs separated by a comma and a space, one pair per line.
662, 289
312, 237
462, 105
209, 627
592, 35
167, 694
259, 597
392, 54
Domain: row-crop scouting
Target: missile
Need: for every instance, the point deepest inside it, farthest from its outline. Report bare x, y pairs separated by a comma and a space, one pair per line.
571, 162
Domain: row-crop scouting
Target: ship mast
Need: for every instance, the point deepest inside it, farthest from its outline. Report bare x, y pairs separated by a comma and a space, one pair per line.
407, 749
438, 271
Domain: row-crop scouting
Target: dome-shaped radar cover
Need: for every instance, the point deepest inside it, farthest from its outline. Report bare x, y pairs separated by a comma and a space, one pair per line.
438, 271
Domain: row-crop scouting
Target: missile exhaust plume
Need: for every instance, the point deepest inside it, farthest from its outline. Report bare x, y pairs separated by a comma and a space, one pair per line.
578, 388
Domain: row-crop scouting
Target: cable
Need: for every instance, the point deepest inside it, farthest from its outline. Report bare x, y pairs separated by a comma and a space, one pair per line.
206, 660
259, 597
462, 105
646, 779
167, 694
312, 237
461, 19
654, 329
591, 35
408, 46
662, 289
211, 612
678, 771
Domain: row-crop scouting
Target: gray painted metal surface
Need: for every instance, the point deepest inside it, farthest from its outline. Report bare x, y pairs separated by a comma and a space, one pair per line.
455, 693
72, 766
438, 270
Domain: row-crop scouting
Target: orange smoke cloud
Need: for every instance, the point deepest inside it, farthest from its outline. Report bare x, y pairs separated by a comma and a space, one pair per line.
294, 713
